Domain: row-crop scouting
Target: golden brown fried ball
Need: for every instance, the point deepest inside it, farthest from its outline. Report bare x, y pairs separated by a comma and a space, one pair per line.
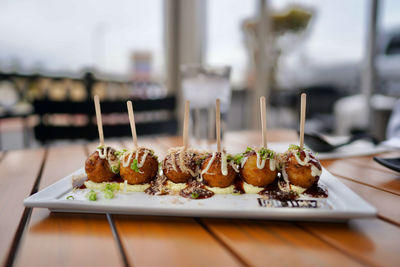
179, 176
251, 174
301, 175
97, 169
143, 174
214, 177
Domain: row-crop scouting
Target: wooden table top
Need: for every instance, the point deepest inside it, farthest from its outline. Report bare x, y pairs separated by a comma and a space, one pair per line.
37, 237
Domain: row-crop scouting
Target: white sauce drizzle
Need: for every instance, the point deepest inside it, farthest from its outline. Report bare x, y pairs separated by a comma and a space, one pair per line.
285, 175
173, 159
126, 160
182, 164
314, 170
143, 159
125, 186
260, 164
209, 164
272, 164
243, 161
224, 164
301, 162
234, 167
106, 153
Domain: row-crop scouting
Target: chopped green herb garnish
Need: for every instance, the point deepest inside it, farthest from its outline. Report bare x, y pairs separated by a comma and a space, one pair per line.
119, 153
109, 190
294, 147
266, 153
134, 165
100, 147
238, 158
115, 169
91, 195
108, 194
194, 195
111, 187
70, 197
248, 149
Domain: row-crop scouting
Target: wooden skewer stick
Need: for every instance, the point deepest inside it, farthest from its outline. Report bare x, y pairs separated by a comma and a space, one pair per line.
99, 121
132, 122
302, 119
186, 125
263, 121
218, 124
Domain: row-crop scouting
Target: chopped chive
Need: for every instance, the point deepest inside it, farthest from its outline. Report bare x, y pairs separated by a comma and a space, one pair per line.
111, 187
70, 197
115, 169
194, 195
134, 165
91, 195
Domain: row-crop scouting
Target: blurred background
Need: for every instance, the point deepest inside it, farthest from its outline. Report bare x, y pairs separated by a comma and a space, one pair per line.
56, 55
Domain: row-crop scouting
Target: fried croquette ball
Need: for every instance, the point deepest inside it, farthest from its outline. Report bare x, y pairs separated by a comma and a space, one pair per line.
304, 172
179, 166
251, 174
135, 173
98, 169
212, 175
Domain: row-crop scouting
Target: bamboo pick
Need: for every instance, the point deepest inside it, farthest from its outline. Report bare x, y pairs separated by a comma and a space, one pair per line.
302, 118
132, 122
186, 125
263, 121
99, 121
218, 124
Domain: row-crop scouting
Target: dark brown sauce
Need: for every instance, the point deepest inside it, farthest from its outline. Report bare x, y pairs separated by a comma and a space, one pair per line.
196, 190
82, 186
116, 179
272, 191
238, 184
313, 160
316, 191
157, 186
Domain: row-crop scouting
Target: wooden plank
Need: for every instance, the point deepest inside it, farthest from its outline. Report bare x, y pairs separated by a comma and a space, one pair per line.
177, 241
386, 203
162, 241
19, 170
380, 179
372, 241
57, 239
263, 243
368, 161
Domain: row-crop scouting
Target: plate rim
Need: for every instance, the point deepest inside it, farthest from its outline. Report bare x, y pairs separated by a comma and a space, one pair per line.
48, 197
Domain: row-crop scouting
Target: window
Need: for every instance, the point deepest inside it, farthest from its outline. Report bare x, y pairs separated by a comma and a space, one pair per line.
225, 42
70, 35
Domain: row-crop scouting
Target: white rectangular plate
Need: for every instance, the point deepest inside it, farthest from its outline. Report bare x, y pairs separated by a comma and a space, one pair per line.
341, 204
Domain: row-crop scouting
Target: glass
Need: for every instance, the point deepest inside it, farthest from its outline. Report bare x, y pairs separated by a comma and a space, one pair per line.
202, 85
